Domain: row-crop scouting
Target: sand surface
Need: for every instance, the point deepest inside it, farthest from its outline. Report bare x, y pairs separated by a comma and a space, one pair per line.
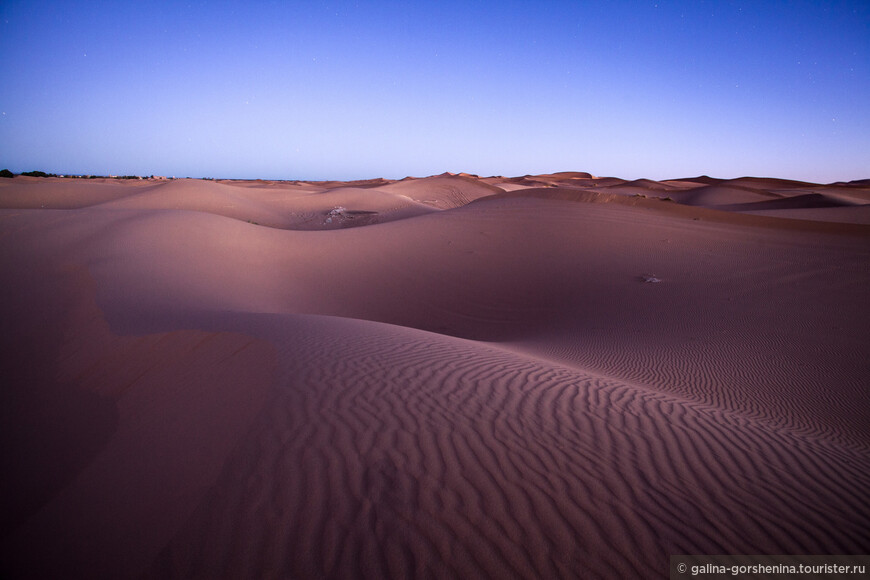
552, 376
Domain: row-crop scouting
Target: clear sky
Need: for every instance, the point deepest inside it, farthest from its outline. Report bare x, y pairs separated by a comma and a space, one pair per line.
346, 90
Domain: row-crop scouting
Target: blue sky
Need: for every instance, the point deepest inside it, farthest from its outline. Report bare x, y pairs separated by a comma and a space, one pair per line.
345, 90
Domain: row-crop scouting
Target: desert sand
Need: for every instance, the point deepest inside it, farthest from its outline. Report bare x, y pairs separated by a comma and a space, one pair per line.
552, 376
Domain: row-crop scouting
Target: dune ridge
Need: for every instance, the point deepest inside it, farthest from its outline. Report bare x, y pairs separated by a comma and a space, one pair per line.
496, 465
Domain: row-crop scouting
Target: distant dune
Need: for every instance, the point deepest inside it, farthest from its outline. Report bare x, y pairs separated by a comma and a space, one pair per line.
552, 376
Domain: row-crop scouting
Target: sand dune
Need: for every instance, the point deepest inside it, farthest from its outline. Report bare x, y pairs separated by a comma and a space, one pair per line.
724, 194
800, 201
439, 456
443, 191
453, 376
641, 184
57, 193
832, 214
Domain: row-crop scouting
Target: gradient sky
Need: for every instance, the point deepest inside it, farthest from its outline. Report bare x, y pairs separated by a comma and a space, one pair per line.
346, 90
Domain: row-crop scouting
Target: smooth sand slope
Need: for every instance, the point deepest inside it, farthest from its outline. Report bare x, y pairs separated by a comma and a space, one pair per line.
536, 377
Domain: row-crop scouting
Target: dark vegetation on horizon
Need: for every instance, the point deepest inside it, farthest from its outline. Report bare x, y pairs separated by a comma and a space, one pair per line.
9, 174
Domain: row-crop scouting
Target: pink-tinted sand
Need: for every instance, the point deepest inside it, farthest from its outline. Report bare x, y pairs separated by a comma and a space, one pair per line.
536, 377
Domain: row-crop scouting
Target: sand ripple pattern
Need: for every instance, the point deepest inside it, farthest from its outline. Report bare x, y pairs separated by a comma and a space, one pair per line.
392, 452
